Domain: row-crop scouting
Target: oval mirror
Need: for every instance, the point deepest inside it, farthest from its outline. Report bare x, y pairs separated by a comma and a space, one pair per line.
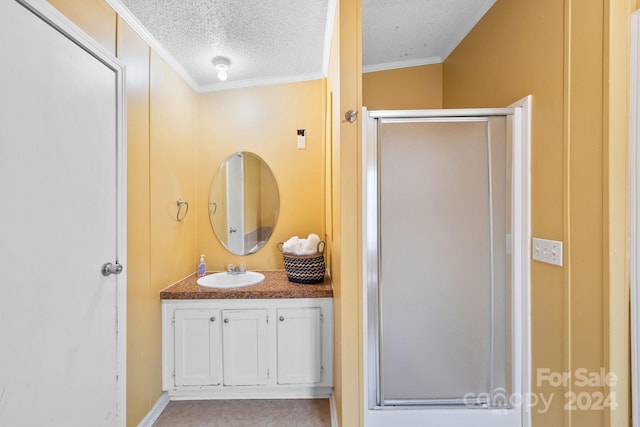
243, 203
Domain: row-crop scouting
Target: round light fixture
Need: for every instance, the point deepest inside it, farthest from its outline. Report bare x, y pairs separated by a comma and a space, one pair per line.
222, 65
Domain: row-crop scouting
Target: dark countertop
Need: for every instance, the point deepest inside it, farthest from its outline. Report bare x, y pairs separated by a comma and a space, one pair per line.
275, 285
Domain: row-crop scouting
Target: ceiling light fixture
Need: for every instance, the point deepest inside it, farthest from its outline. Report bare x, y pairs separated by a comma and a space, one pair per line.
222, 65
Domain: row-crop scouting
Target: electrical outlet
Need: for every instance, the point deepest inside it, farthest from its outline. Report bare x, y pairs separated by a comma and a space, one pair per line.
549, 251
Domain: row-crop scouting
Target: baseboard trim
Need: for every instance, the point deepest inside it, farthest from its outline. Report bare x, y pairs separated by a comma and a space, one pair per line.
155, 412
249, 392
333, 410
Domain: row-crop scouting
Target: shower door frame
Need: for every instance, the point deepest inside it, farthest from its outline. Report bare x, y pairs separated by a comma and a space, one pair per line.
375, 412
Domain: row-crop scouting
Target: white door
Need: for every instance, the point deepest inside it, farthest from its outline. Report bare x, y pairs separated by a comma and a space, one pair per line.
244, 347
235, 203
197, 346
299, 345
61, 357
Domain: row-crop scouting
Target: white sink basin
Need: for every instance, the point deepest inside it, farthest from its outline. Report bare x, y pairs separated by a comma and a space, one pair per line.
225, 280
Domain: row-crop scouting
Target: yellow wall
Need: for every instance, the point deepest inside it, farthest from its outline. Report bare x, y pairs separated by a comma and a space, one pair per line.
172, 159
332, 132
264, 120
554, 51
172, 176
133, 52
346, 248
161, 117
410, 88
332, 203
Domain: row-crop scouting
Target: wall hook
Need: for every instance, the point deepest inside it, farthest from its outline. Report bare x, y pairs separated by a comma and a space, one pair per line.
182, 204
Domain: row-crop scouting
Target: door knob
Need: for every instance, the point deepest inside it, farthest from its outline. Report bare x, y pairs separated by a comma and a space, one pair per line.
213, 318
226, 320
351, 116
108, 269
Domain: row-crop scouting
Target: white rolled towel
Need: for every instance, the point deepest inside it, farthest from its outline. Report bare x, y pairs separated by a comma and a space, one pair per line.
299, 245
310, 246
291, 246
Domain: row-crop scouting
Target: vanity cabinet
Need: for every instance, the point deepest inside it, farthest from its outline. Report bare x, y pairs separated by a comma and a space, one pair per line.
262, 348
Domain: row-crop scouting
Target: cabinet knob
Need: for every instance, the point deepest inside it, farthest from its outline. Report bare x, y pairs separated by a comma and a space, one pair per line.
282, 318
213, 318
226, 320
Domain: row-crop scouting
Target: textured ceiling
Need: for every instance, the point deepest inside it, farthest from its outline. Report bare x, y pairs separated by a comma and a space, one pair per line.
401, 33
278, 41
263, 39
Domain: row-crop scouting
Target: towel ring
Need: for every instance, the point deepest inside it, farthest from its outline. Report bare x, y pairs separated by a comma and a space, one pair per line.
215, 208
182, 203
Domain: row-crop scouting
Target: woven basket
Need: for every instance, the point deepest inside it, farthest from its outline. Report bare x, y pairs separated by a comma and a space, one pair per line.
305, 269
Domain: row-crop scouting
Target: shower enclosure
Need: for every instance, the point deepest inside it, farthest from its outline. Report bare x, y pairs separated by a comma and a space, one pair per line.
443, 303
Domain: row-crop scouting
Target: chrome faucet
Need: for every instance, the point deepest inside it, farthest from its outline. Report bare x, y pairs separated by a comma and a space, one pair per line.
233, 269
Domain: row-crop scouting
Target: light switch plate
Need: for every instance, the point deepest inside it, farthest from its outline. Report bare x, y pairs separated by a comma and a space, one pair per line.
549, 251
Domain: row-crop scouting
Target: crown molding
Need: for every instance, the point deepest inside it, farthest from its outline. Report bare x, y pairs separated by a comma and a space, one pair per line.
153, 43
401, 64
271, 81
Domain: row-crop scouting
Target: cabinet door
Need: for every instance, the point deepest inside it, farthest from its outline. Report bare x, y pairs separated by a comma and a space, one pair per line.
197, 347
299, 345
244, 347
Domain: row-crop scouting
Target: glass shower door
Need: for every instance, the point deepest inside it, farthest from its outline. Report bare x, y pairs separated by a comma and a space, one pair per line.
443, 293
